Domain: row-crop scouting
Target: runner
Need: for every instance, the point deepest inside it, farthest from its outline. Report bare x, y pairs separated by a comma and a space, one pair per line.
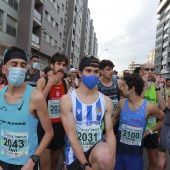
109, 85
153, 95
133, 112
20, 107
34, 73
82, 120
53, 88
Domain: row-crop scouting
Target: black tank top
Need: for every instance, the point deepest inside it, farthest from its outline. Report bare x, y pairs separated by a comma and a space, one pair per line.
32, 79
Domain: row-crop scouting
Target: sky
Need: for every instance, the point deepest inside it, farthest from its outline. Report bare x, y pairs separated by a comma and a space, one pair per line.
127, 28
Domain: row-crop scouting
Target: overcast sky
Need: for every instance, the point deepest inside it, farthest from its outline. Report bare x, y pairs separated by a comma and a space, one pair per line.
126, 28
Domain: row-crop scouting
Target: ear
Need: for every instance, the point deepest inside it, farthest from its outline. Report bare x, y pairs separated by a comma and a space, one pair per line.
4, 70
79, 73
52, 66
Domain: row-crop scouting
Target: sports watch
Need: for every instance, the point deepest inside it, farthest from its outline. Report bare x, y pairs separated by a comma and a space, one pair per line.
83, 166
35, 158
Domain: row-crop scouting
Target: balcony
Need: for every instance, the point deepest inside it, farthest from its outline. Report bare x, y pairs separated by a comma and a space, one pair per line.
37, 18
39, 2
35, 41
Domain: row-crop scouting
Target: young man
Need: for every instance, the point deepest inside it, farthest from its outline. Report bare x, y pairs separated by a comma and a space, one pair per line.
34, 73
82, 113
109, 85
20, 108
153, 94
133, 112
53, 88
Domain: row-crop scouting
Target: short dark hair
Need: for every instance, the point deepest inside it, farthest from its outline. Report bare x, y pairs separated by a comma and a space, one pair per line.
136, 70
135, 80
34, 56
105, 63
47, 69
59, 57
167, 79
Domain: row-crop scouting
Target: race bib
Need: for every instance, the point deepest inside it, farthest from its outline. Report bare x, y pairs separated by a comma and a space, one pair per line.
151, 119
88, 136
131, 135
54, 109
115, 102
14, 145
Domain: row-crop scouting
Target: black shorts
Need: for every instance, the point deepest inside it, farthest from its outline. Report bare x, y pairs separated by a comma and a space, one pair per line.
57, 141
151, 141
75, 165
7, 166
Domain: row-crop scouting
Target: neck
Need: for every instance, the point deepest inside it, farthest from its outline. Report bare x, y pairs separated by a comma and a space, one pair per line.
33, 71
12, 90
86, 90
106, 80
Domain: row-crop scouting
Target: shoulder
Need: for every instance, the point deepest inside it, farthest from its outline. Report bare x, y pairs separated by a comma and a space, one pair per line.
42, 74
120, 83
36, 96
41, 81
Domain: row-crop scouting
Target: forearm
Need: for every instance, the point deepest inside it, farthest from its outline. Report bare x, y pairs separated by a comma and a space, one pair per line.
44, 142
46, 90
157, 126
78, 151
111, 140
160, 100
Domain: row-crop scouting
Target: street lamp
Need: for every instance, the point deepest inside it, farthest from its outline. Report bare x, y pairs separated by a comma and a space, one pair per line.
102, 52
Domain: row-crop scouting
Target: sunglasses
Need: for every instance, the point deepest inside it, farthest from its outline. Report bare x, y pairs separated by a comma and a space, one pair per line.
147, 69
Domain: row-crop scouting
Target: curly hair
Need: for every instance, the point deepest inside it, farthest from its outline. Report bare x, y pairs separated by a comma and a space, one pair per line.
59, 57
105, 63
135, 80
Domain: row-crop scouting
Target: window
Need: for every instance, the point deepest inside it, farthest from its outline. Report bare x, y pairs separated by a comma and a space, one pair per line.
61, 20
60, 35
58, 9
55, 43
56, 26
11, 26
63, 7
44, 36
13, 4
50, 40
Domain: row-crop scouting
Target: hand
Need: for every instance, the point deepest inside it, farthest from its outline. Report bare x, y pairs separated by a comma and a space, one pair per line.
157, 81
145, 79
55, 79
162, 160
147, 133
29, 165
88, 168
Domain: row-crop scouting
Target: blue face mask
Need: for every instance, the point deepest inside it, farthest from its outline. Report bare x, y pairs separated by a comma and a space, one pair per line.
161, 85
35, 66
90, 81
16, 76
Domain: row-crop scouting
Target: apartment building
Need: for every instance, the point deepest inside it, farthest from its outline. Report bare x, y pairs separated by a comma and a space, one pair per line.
162, 47
151, 56
132, 66
91, 39
8, 24
43, 27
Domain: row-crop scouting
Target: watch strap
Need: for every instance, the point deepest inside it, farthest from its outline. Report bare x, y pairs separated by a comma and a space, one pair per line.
35, 158
83, 166
151, 132
157, 89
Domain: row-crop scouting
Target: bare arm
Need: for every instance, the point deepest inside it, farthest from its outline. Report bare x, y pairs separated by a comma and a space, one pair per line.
40, 85
38, 108
154, 111
42, 74
110, 137
160, 100
70, 127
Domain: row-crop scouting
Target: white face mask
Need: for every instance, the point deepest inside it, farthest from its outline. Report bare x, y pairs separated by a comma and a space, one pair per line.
35, 66
149, 84
16, 76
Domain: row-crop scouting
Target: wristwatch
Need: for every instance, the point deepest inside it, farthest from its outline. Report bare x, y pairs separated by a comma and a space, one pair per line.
35, 158
83, 166
157, 89
151, 132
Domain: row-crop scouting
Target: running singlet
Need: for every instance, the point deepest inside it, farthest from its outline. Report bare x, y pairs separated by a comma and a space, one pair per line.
53, 100
18, 130
32, 79
88, 120
150, 95
112, 92
131, 129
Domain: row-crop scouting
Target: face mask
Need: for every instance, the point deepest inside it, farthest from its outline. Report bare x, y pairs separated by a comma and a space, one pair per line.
16, 76
35, 66
90, 81
161, 85
149, 84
